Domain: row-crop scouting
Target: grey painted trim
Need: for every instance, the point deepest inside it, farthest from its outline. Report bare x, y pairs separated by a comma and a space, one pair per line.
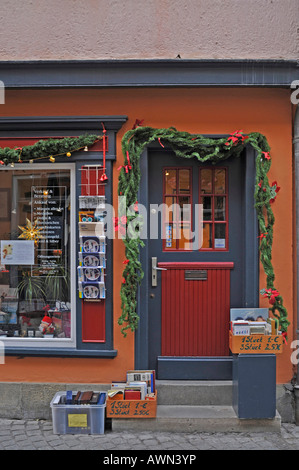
296, 158
34, 124
194, 368
252, 263
148, 73
62, 352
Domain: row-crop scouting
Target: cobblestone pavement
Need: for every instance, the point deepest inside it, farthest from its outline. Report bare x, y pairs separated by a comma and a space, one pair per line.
38, 435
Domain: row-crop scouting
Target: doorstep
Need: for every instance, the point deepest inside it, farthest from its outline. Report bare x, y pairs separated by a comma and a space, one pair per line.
213, 418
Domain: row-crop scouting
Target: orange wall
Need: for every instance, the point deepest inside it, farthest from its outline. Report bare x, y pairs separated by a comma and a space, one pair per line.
194, 110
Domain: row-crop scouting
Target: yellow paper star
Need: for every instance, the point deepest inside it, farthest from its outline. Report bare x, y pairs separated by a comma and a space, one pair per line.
31, 231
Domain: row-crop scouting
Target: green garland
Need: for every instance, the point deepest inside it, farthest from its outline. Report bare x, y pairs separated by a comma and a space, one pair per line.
205, 149
45, 148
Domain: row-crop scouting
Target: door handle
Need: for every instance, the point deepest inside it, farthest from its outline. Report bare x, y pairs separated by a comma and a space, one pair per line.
154, 271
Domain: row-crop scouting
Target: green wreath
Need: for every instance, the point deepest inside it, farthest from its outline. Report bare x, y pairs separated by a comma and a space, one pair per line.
205, 149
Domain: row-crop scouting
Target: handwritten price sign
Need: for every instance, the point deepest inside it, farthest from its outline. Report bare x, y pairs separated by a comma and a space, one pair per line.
131, 408
260, 344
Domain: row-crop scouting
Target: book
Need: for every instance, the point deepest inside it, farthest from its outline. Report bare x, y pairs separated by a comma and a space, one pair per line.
86, 397
102, 398
116, 394
69, 397
94, 399
150, 396
77, 398
138, 386
273, 325
132, 395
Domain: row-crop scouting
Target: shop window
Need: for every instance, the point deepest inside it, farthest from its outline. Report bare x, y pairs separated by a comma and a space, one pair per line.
35, 271
213, 193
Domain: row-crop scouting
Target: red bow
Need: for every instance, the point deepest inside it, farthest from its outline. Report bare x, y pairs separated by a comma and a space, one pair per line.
137, 123
263, 235
266, 155
234, 138
128, 166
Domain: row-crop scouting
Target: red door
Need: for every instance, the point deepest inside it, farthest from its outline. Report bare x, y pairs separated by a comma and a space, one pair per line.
195, 309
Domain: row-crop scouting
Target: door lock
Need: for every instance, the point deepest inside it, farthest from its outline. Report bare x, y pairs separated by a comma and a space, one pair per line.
154, 271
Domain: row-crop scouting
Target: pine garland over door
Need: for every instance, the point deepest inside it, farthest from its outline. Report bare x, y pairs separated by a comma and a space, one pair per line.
184, 145
204, 149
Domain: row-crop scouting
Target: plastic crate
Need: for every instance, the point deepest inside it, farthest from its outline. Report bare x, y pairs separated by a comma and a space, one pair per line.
77, 419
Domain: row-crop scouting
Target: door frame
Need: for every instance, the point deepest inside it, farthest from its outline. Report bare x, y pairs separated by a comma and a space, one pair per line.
211, 368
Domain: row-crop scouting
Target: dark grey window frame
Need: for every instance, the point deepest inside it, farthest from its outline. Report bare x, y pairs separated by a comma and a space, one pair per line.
52, 126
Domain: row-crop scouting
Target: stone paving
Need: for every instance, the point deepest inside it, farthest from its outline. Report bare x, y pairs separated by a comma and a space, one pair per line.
38, 435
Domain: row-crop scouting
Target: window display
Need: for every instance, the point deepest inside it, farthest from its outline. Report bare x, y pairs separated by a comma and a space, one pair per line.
35, 254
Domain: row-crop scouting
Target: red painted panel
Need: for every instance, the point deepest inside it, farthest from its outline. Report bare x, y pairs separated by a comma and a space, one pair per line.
93, 322
93, 313
90, 181
195, 313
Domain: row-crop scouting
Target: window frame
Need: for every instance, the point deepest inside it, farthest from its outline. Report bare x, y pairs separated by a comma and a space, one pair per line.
53, 343
17, 131
213, 195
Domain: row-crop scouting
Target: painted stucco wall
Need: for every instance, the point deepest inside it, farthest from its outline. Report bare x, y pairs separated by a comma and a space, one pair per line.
134, 29
217, 111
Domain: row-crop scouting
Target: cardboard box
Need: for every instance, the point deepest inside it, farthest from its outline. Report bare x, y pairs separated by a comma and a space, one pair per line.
131, 408
255, 344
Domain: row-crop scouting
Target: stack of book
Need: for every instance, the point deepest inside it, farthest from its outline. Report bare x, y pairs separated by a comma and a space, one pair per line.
139, 385
242, 327
81, 398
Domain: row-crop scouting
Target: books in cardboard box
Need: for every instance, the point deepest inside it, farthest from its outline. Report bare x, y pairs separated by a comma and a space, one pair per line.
148, 376
116, 394
140, 386
240, 327
119, 391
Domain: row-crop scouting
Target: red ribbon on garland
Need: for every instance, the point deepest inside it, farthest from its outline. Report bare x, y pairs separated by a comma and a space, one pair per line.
128, 166
104, 177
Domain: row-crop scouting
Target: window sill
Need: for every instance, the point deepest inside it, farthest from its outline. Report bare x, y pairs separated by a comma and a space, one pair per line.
62, 352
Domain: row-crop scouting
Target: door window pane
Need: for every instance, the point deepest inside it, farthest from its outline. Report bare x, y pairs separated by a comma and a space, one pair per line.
220, 181
35, 293
170, 209
207, 236
207, 208
170, 181
170, 237
220, 236
184, 181
206, 178
219, 208
185, 208
185, 237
